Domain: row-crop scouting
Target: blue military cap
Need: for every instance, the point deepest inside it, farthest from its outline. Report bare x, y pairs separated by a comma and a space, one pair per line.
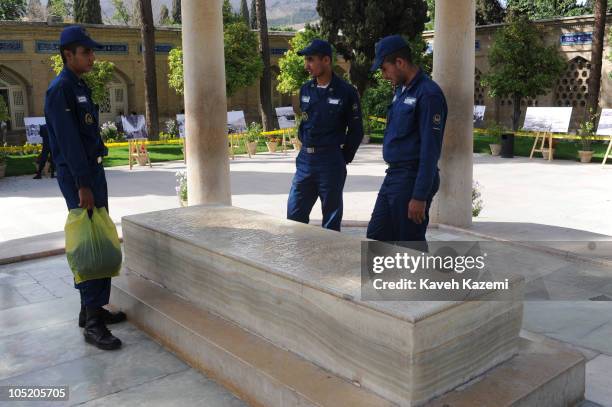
387, 46
317, 47
78, 34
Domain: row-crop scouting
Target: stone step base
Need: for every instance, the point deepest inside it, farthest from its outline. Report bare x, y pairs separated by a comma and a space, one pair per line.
262, 374
248, 365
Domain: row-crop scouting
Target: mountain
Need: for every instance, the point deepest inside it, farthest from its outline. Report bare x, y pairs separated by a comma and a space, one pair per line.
279, 12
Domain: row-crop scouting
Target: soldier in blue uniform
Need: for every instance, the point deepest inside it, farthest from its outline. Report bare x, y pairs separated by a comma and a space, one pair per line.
331, 130
411, 146
77, 149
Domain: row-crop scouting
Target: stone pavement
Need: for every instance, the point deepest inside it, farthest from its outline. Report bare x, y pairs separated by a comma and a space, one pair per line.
523, 199
40, 342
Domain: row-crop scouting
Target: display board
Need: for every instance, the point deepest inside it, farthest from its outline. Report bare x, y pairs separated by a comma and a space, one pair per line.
134, 127
286, 117
32, 125
548, 119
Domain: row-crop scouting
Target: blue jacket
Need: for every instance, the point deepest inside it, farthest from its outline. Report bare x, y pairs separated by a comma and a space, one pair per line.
331, 117
72, 122
415, 127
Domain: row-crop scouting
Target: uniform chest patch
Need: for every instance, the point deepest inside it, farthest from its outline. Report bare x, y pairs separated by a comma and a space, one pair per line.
82, 99
305, 99
409, 101
89, 118
333, 101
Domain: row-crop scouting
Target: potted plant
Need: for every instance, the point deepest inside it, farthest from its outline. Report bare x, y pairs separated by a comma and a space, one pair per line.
586, 132
272, 144
253, 134
495, 130
3, 157
181, 187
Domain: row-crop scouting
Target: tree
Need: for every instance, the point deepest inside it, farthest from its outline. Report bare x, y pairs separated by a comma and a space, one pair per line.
521, 65
355, 26
59, 9
97, 79
35, 11
292, 73
121, 15
253, 15
87, 11
147, 33
594, 82
489, 12
12, 9
243, 65
164, 15
542, 9
176, 12
244, 12
265, 83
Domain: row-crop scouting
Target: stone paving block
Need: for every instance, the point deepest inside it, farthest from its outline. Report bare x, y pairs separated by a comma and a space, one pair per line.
39, 348
35, 292
104, 373
10, 297
186, 388
599, 380
39, 315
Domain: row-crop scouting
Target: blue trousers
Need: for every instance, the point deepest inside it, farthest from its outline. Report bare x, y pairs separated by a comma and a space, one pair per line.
319, 175
94, 293
389, 221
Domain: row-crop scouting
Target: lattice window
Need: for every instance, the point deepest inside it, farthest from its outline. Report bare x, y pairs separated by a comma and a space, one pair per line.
119, 95
18, 98
7, 78
479, 90
105, 106
572, 87
19, 119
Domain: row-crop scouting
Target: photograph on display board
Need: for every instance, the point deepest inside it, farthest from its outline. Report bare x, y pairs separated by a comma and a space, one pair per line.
32, 126
236, 122
134, 127
549, 119
286, 117
479, 115
604, 128
180, 119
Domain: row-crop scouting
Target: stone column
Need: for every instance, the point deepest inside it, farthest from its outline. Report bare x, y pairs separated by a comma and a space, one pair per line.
208, 178
453, 64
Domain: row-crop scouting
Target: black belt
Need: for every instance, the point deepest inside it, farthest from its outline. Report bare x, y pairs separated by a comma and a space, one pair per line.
404, 164
319, 149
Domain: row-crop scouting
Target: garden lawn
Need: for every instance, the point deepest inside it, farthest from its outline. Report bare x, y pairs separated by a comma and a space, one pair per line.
24, 164
564, 149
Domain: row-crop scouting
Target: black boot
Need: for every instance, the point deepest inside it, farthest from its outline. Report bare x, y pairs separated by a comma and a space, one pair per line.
96, 332
37, 176
109, 317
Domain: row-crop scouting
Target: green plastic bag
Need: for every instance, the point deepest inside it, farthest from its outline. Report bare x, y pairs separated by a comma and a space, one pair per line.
92, 245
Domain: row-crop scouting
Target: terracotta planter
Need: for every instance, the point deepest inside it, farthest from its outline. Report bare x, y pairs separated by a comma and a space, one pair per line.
2, 170
585, 156
297, 144
545, 153
495, 149
252, 147
142, 160
183, 203
272, 145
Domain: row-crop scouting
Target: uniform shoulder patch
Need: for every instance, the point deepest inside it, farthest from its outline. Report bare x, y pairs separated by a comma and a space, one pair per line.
437, 118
